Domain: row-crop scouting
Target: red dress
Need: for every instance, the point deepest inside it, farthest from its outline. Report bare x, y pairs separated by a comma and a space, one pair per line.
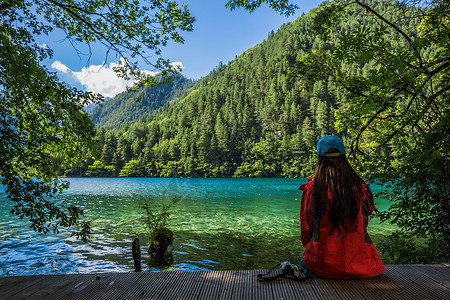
351, 255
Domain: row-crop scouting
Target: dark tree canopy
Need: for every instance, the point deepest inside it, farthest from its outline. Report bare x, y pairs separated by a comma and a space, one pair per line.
397, 112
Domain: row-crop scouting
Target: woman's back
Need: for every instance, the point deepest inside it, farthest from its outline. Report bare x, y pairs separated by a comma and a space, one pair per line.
344, 254
334, 214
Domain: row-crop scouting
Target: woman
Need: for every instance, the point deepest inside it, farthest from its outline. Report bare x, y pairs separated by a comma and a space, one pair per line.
334, 213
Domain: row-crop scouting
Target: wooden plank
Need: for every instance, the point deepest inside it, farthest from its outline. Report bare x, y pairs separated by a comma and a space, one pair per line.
211, 286
240, 285
439, 273
54, 286
241, 289
119, 288
323, 289
168, 290
249, 287
186, 286
95, 287
303, 290
398, 282
192, 285
407, 285
419, 277
227, 285
290, 289
232, 285
9, 286
380, 287
149, 286
281, 290
345, 289
259, 290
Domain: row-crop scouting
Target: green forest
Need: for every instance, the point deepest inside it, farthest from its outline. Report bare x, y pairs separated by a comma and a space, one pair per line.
128, 107
245, 119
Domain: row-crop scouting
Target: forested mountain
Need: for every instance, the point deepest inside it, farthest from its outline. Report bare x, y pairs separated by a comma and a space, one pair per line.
245, 119
127, 107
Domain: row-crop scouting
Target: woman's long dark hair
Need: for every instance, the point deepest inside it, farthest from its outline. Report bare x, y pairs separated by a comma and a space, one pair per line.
336, 175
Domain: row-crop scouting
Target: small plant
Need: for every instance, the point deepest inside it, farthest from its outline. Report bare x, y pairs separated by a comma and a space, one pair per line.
160, 236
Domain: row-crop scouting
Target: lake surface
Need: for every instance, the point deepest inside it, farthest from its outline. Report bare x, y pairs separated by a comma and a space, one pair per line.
219, 224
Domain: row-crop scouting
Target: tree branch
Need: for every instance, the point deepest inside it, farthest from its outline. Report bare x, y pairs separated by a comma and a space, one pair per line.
368, 8
76, 16
392, 25
364, 127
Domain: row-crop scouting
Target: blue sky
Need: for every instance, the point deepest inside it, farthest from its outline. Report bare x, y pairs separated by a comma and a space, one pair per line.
219, 35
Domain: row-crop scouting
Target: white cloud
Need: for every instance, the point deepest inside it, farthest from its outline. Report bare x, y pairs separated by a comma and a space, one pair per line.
101, 78
147, 72
57, 65
177, 65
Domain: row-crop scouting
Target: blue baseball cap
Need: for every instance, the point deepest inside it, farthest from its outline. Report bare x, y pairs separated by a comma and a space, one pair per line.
328, 142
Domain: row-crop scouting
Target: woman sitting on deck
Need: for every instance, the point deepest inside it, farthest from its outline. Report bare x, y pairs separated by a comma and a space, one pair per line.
334, 213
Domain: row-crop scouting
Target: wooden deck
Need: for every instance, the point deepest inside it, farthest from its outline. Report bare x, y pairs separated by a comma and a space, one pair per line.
422, 282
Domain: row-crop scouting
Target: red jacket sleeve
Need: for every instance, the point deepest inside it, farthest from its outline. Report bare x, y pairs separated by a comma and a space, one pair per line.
306, 224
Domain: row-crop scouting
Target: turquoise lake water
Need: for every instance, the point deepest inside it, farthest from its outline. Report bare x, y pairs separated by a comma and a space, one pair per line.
219, 224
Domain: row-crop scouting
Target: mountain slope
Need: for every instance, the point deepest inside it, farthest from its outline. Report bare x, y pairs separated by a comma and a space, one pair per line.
127, 107
245, 119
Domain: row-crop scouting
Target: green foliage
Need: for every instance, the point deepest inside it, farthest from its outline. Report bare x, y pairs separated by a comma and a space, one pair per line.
282, 6
133, 168
158, 217
156, 220
97, 169
161, 237
396, 111
84, 232
329, 17
35, 200
408, 249
42, 119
